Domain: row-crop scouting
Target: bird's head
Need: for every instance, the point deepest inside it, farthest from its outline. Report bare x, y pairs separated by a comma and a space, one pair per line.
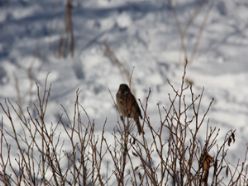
124, 89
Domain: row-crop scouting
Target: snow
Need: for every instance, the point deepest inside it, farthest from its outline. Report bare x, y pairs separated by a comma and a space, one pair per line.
144, 36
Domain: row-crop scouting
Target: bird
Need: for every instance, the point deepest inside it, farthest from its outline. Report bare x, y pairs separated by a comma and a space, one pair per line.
128, 106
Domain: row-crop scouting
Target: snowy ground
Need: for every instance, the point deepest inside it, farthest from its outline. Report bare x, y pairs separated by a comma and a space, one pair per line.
145, 36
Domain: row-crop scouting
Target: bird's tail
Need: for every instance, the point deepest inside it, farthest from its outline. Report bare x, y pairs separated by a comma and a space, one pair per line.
140, 130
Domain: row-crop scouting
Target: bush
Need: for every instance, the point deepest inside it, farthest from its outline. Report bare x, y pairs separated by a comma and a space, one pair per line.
71, 152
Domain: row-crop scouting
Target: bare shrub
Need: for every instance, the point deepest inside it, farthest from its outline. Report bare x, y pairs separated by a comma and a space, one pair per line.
183, 149
111, 55
67, 41
184, 26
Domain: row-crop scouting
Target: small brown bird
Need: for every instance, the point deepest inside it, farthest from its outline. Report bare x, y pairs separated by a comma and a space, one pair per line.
128, 106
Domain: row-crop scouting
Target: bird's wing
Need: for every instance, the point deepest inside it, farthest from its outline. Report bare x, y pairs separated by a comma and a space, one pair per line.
137, 107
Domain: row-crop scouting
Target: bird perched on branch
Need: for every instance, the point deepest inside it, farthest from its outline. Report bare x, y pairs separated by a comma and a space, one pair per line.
128, 106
